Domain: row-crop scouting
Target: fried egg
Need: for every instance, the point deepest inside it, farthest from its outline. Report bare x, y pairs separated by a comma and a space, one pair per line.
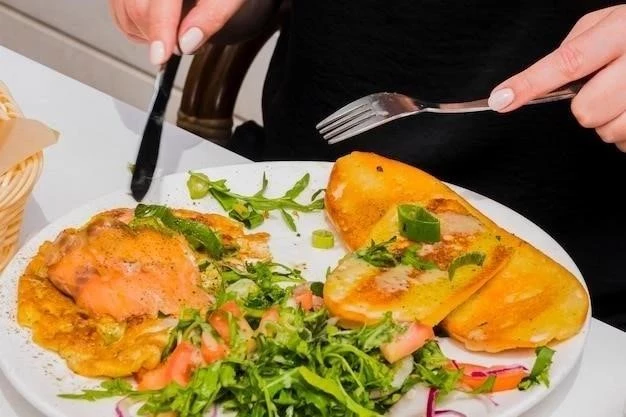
104, 296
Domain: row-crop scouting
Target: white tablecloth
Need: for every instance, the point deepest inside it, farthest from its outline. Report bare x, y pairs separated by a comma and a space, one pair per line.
100, 137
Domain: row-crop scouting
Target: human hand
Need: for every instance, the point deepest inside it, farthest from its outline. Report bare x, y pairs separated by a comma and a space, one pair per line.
596, 45
157, 22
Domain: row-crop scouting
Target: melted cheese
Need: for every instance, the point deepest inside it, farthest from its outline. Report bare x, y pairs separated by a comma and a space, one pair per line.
458, 224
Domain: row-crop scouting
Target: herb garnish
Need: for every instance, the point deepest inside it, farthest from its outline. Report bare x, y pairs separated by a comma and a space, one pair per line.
540, 372
110, 388
431, 368
377, 254
251, 210
410, 257
196, 233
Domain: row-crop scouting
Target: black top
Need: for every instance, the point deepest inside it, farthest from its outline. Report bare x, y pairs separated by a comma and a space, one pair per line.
536, 160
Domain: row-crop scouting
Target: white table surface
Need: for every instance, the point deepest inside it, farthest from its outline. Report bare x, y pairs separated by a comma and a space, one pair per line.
100, 137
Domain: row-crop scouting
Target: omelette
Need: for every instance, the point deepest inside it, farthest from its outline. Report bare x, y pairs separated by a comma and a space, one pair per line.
426, 280
518, 298
106, 295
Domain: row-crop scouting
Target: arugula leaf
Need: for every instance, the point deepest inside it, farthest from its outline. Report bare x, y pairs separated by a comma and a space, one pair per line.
430, 368
318, 192
224, 198
377, 254
258, 203
264, 183
540, 374
288, 218
110, 388
375, 335
298, 187
486, 386
332, 387
246, 214
431, 356
411, 258
270, 277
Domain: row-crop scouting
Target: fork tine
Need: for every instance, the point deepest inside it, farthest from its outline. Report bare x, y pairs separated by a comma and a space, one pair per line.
347, 117
358, 128
349, 125
364, 101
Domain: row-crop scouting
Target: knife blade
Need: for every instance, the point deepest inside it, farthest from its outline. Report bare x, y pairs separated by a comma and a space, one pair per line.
148, 153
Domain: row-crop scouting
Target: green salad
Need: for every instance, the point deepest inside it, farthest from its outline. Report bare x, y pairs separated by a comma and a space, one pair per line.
269, 347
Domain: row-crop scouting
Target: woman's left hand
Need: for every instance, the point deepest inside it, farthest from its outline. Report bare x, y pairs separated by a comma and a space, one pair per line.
596, 45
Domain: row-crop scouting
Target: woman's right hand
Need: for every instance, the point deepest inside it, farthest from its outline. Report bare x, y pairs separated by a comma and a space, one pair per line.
157, 22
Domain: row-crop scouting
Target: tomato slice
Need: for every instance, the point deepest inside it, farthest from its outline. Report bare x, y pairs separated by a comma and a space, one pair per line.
219, 321
318, 302
415, 336
177, 367
303, 296
270, 316
507, 377
231, 307
212, 349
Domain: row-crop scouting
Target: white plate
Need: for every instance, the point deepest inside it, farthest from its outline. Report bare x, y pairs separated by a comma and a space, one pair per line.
40, 375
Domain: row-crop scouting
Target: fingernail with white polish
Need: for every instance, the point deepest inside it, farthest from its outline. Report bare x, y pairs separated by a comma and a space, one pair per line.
501, 98
190, 41
157, 52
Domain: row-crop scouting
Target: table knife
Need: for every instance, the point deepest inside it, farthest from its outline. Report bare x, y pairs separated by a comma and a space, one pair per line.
148, 154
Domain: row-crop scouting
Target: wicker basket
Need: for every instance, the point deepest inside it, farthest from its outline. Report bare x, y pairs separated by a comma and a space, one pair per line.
16, 186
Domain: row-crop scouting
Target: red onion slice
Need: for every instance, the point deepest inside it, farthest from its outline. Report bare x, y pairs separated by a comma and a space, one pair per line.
430, 403
211, 412
449, 412
497, 371
491, 400
122, 408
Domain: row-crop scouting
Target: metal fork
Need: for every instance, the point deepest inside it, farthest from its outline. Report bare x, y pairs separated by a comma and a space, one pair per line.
376, 109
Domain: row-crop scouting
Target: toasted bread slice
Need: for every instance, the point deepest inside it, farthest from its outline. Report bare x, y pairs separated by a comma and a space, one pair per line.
530, 303
363, 187
425, 289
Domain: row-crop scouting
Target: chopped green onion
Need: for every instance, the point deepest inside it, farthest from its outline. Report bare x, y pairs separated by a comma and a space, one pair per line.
470, 258
198, 186
322, 239
417, 224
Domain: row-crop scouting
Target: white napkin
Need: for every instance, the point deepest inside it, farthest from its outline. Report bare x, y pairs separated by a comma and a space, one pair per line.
21, 138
